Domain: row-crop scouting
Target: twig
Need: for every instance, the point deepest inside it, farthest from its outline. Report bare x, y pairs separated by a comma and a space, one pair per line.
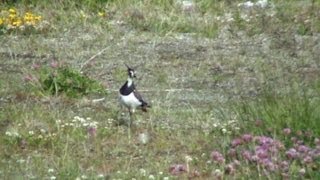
92, 58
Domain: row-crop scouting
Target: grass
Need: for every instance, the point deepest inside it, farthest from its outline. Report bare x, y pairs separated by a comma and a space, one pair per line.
234, 91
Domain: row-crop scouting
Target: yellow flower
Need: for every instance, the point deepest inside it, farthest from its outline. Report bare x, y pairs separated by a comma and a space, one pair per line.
12, 11
101, 14
12, 16
17, 22
38, 18
1, 21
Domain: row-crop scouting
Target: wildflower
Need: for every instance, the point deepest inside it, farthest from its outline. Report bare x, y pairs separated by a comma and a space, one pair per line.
232, 152
50, 170
8, 133
264, 140
35, 66
188, 158
236, 142
292, 153
317, 141
177, 169
31, 132
247, 137
286, 131
100, 176
12, 11
101, 14
165, 178
229, 169
308, 160
144, 138
217, 156
217, 173
224, 130
53, 178
54, 64
1, 21
143, 172
262, 153
303, 149
302, 172
151, 176
246, 155
284, 165
92, 131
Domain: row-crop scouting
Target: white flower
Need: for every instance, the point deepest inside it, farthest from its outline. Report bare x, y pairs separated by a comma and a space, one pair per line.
166, 178
42, 130
84, 177
53, 178
262, 3
31, 133
188, 158
151, 176
143, 172
8, 133
21, 161
100, 176
50, 170
224, 131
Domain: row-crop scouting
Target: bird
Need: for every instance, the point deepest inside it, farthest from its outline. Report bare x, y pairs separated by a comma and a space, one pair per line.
129, 95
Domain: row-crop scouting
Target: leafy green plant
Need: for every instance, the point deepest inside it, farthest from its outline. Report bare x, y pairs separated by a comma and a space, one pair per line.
63, 80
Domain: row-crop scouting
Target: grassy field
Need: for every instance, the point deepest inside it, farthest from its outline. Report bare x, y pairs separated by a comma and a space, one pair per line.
234, 89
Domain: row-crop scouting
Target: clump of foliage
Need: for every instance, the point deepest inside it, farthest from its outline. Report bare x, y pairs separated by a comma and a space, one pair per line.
57, 80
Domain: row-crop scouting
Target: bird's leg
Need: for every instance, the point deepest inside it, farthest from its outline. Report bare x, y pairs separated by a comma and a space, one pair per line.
130, 120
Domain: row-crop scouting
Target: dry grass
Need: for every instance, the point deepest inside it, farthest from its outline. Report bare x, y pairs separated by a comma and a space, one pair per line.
207, 77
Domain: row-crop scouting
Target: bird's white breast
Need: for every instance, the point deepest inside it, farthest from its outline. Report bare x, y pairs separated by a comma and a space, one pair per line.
130, 101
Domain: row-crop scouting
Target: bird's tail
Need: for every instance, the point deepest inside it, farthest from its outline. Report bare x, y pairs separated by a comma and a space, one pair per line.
144, 106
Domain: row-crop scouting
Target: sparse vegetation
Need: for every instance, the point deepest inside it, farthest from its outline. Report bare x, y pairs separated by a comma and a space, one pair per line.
234, 88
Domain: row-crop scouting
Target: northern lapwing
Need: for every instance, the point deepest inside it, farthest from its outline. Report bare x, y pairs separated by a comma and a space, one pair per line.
130, 97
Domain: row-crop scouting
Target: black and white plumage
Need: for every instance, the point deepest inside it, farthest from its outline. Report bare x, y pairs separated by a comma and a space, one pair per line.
130, 97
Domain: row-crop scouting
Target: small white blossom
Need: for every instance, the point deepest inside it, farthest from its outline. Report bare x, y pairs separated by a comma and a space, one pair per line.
151, 176
50, 170
53, 178
31, 133
143, 172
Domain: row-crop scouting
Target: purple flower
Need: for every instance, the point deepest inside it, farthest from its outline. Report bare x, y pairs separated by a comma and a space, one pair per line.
54, 64
35, 66
262, 153
268, 164
177, 169
307, 160
236, 142
286, 131
232, 153
92, 131
230, 169
247, 137
303, 149
284, 165
217, 156
264, 140
246, 155
292, 153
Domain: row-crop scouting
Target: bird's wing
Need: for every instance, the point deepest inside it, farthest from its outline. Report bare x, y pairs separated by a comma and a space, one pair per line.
138, 96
